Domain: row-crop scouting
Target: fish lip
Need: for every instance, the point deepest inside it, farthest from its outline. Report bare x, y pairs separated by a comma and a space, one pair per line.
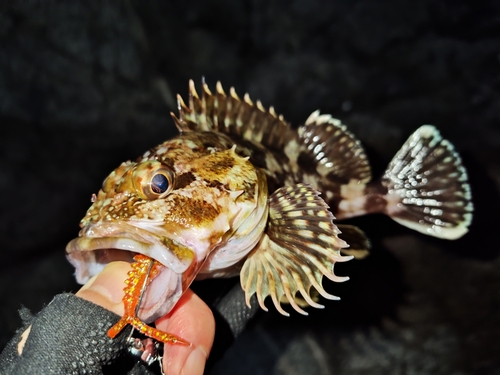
101, 243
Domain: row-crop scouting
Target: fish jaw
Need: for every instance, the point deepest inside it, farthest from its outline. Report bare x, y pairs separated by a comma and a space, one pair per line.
100, 244
181, 252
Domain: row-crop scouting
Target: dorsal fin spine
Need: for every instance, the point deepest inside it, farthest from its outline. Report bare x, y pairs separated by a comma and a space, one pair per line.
192, 93
233, 116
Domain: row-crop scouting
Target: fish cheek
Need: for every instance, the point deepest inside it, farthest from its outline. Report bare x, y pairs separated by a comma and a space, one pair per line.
191, 212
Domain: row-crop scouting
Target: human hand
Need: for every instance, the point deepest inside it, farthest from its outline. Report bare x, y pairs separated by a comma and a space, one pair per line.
190, 319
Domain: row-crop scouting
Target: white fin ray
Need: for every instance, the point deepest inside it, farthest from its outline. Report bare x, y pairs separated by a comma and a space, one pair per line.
427, 186
335, 153
359, 244
300, 247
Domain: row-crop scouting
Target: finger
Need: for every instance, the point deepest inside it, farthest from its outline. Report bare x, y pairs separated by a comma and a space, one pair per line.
192, 320
24, 337
106, 288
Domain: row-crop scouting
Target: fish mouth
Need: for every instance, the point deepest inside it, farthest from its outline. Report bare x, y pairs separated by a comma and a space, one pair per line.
100, 244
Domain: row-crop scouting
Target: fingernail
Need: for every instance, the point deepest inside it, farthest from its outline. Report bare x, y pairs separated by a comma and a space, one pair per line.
195, 363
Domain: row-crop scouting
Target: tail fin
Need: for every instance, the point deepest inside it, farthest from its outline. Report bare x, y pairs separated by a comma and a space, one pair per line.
427, 186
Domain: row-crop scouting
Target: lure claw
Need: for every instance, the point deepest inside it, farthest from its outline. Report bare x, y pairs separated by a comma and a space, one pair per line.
144, 270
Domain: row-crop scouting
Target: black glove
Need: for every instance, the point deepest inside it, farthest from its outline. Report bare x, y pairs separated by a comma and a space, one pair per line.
69, 337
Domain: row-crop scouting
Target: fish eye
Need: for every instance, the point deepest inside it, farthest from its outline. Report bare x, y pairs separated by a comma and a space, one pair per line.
159, 183
153, 180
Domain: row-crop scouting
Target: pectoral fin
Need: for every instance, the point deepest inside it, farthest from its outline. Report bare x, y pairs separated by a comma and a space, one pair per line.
300, 246
359, 244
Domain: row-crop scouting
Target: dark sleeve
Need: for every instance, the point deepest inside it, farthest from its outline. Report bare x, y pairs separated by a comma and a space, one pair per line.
69, 337
227, 301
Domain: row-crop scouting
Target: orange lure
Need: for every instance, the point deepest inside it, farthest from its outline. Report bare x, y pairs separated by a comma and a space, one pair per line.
144, 270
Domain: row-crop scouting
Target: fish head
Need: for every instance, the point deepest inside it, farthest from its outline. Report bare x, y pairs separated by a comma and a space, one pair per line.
177, 207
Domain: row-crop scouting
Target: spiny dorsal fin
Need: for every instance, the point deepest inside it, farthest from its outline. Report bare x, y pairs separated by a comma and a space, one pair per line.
427, 186
335, 153
233, 116
300, 247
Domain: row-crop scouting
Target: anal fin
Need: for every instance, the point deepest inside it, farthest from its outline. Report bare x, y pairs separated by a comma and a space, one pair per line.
301, 246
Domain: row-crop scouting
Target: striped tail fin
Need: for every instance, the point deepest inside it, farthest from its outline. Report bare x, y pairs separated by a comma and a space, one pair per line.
427, 188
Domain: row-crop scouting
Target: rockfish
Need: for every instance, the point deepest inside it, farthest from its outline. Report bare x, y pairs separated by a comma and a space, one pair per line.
241, 192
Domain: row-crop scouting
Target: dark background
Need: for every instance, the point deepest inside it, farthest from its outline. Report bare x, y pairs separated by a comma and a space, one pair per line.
85, 85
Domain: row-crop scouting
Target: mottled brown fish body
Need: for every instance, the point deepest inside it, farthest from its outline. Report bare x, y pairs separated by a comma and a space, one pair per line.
238, 191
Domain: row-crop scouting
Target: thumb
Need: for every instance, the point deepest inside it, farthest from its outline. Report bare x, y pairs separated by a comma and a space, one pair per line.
106, 288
